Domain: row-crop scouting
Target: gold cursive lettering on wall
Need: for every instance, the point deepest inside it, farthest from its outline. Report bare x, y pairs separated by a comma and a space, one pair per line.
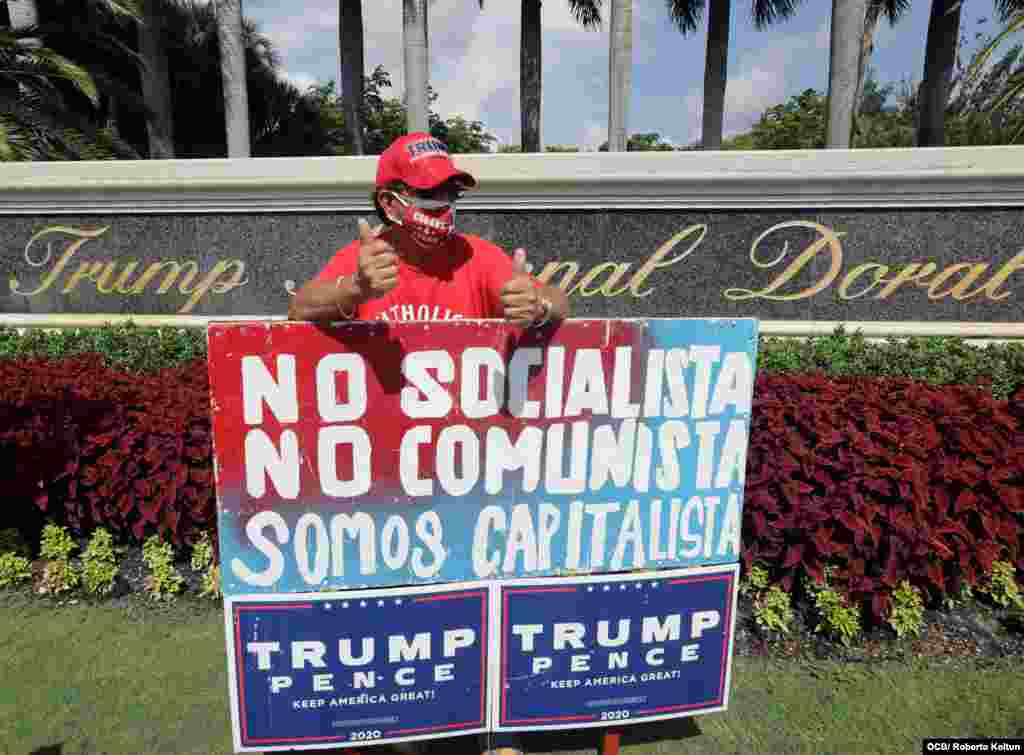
656, 261
829, 238
83, 236
848, 280
1000, 277
952, 281
65, 272
103, 274
912, 273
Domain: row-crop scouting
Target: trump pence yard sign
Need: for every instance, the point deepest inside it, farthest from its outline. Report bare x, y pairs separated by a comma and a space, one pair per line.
371, 476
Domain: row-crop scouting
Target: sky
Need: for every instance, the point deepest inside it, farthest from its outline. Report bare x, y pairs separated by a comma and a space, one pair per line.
474, 64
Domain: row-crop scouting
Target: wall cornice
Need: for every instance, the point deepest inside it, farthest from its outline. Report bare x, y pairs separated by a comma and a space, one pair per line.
808, 179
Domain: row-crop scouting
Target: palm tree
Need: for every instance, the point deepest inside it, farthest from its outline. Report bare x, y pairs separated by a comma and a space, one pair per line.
156, 81
939, 61
686, 15
1014, 84
133, 91
232, 70
844, 105
588, 14
283, 121
49, 103
192, 38
845, 52
351, 48
23, 15
620, 74
417, 63
892, 10
530, 69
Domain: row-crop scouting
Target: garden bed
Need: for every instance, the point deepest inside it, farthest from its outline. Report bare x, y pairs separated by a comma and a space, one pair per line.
969, 632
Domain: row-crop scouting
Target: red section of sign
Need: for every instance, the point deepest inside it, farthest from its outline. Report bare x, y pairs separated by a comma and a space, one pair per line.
383, 347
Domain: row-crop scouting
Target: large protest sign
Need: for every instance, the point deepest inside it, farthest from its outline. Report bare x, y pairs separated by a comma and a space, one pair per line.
608, 650
357, 667
363, 456
377, 454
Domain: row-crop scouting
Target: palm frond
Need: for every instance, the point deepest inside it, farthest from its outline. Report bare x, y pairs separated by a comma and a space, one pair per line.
586, 12
1015, 25
1017, 134
20, 142
62, 68
50, 131
101, 43
6, 149
1006, 9
1014, 87
893, 10
126, 9
35, 62
260, 44
768, 12
685, 14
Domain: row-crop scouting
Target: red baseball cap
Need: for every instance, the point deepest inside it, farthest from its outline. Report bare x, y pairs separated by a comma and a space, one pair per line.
420, 161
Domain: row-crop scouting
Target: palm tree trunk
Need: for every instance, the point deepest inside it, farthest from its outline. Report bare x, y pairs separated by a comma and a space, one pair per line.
351, 49
156, 83
867, 48
620, 74
715, 74
939, 60
530, 75
844, 65
232, 73
24, 15
417, 64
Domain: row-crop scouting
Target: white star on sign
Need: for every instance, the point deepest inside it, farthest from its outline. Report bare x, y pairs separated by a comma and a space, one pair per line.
380, 603
362, 604
607, 588
398, 602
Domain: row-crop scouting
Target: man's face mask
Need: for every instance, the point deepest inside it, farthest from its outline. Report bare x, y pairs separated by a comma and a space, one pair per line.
429, 221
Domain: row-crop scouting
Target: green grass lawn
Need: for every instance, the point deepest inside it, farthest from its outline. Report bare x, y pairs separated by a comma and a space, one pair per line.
134, 680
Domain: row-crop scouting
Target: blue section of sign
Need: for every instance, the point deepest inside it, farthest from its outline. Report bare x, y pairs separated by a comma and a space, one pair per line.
603, 651
362, 667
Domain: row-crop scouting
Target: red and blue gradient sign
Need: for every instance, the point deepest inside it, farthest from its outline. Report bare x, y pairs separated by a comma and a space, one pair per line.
613, 650
379, 454
357, 667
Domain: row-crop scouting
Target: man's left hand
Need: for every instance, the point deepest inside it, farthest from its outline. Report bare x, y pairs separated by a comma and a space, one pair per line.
520, 296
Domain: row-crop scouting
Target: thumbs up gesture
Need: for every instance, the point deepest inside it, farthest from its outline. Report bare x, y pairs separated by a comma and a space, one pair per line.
519, 295
378, 264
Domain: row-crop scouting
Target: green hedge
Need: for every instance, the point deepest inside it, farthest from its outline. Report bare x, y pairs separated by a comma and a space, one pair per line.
128, 347
938, 360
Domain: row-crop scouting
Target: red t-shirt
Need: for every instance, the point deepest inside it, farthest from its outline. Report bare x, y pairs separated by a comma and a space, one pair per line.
461, 279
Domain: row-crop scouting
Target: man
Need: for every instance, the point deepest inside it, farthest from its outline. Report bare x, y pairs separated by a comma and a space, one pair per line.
417, 266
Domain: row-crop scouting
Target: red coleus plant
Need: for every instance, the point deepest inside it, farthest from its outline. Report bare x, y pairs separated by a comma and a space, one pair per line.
884, 480
97, 446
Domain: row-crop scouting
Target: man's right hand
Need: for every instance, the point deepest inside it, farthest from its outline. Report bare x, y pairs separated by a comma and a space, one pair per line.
378, 263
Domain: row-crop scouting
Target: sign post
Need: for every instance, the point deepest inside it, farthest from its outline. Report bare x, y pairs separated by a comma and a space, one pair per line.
437, 528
